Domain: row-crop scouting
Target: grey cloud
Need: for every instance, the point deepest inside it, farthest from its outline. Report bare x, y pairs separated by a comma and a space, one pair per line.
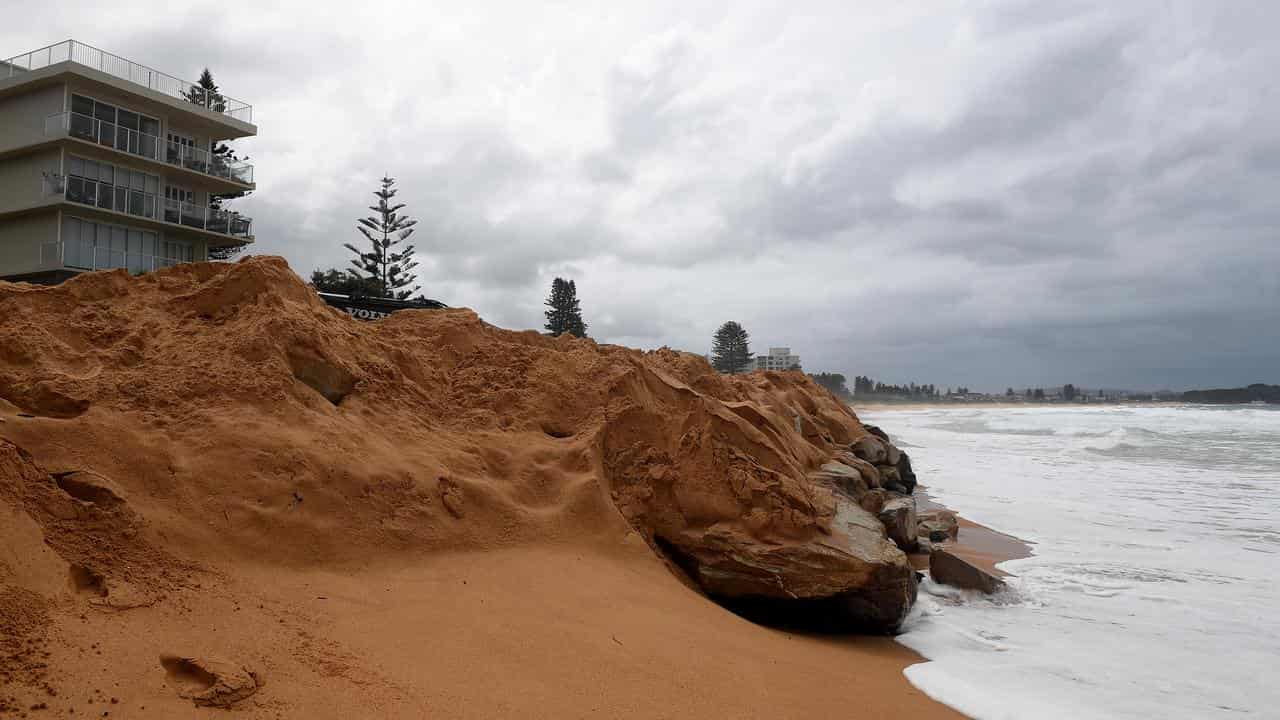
986, 194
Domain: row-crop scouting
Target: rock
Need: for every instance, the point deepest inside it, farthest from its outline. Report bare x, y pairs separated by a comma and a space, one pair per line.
875, 430
938, 536
905, 474
932, 522
873, 502
846, 478
896, 488
888, 475
893, 454
949, 569
869, 472
854, 579
212, 682
90, 487
899, 518
870, 448
451, 496
843, 478
924, 545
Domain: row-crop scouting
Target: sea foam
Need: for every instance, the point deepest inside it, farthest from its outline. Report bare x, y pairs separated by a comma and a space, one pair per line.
1153, 587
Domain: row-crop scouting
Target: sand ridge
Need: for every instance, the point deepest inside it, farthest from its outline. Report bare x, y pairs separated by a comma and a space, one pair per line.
208, 462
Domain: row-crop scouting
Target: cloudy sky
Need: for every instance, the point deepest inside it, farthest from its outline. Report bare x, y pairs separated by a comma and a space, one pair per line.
964, 193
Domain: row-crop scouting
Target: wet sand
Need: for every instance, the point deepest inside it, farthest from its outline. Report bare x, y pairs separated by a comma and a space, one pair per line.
978, 544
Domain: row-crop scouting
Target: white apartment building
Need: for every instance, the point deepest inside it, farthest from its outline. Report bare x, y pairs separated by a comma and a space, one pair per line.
779, 358
106, 163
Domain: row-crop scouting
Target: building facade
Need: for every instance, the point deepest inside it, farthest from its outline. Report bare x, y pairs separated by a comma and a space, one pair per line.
105, 163
779, 358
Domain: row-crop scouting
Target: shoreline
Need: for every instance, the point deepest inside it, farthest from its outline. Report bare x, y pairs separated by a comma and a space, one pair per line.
877, 405
980, 545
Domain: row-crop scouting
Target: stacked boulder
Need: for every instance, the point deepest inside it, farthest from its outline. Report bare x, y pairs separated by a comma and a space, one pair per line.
877, 476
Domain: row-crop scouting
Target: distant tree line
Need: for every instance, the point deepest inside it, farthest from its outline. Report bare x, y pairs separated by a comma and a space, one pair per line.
863, 385
1253, 393
835, 382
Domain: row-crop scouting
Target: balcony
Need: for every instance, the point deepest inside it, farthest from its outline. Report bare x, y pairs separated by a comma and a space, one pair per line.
116, 66
100, 132
209, 219
148, 205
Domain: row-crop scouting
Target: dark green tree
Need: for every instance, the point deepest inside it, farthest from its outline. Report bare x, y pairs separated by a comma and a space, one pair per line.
564, 313
731, 349
835, 382
385, 261
205, 94
345, 282
1068, 392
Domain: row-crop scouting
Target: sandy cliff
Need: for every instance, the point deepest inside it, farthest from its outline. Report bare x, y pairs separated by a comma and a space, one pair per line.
213, 446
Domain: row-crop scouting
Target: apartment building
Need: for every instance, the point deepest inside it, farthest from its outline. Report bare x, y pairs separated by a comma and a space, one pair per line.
779, 358
106, 163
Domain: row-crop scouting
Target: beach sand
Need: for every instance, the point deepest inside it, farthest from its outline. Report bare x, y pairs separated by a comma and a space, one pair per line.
533, 632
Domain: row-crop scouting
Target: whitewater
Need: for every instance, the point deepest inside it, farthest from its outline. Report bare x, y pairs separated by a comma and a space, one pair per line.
1153, 590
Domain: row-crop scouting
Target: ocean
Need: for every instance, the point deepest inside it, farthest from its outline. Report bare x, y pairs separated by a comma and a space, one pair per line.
1154, 591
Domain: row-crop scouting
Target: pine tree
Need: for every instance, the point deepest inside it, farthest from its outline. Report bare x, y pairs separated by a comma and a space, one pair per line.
564, 314
730, 349
388, 267
205, 94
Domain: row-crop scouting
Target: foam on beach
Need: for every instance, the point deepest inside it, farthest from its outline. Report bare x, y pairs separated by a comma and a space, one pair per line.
1145, 597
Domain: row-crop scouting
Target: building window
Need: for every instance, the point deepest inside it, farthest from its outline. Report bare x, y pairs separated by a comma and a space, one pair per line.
178, 251
106, 124
90, 245
112, 188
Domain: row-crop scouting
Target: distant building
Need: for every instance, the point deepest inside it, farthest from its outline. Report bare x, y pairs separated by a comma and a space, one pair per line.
779, 358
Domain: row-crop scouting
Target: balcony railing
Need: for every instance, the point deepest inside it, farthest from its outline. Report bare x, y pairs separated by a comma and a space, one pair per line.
142, 204
70, 124
203, 218
82, 255
92, 57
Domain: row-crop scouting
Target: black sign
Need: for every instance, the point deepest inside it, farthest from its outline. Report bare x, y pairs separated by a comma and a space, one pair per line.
368, 308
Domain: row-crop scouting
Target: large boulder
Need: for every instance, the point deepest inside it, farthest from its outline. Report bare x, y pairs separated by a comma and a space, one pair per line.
899, 518
938, 525
854, 579
869, 472
950, 569
870, 448
874, 501
842, 477
877, 431
905, 475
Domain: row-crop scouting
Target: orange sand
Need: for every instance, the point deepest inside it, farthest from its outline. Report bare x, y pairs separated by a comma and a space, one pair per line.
424, 516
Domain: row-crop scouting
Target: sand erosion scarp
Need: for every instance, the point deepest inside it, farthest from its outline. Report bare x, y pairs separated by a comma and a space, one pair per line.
181, 423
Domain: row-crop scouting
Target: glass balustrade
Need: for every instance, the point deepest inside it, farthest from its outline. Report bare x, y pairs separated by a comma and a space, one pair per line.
142, 204
151, 147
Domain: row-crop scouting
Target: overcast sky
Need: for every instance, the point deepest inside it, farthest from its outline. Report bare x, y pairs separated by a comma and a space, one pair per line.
964, 193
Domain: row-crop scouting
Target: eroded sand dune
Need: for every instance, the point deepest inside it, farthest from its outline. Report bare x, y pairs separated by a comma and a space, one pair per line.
308, 516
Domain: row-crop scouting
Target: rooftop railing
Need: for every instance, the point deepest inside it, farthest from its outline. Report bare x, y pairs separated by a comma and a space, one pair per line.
148, 146
89, 56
